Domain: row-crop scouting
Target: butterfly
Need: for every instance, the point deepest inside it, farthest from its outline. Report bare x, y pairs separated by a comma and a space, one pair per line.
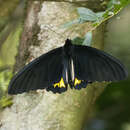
73, 66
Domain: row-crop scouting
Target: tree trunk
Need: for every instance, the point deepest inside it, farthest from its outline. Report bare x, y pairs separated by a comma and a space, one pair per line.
44, 110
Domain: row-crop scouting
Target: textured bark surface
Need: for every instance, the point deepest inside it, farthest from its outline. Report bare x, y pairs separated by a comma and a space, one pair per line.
44, 110
95, 5
28, 36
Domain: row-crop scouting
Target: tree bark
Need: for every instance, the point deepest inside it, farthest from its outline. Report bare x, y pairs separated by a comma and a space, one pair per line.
42, 110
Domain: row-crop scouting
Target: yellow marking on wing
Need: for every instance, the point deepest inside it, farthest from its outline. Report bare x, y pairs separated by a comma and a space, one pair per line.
60, 84
76, 81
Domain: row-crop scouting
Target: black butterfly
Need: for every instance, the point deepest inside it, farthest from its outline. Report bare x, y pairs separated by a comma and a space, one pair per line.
69, 66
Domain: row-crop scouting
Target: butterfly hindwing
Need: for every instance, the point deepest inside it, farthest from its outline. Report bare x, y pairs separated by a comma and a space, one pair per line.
41, 73
92, 64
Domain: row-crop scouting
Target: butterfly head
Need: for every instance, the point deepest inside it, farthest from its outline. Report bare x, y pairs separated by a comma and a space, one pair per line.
68, 41
67, 46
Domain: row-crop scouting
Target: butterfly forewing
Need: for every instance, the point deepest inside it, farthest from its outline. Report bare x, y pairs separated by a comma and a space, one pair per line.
94, 65
40, 73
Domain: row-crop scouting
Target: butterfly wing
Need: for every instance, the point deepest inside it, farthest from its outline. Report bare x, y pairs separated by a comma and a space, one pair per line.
41, 73
92, 64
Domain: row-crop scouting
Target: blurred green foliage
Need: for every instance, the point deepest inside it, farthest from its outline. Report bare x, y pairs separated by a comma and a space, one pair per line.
5, 100
4, 79
9, 48
6, 9
87, 40
11, 14
7, 59
113, 105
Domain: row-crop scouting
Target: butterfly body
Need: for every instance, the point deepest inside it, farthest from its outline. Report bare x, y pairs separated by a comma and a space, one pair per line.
68, 78
71, 66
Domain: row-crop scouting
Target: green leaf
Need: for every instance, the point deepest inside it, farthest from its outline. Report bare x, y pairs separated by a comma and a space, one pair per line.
112, 3
5, 102
76, 21
83, 41
78, 41
88, 39
100, 14
87, 14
